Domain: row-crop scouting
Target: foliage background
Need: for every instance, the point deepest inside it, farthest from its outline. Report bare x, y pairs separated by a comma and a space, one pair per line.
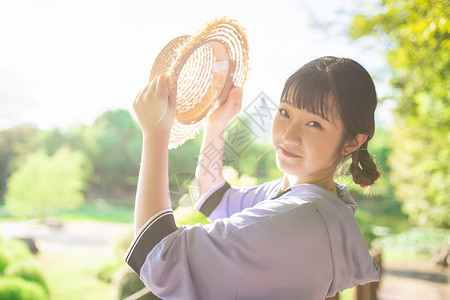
417, 34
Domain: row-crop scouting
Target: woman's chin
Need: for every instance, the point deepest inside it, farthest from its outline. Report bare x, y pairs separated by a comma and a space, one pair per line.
286, 169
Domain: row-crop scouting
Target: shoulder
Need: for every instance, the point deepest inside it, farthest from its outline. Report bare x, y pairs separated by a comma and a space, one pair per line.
288, 213
268, 187
286, 238
352, 263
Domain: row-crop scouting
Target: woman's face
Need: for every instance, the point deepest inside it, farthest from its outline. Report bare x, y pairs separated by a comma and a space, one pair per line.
306, 145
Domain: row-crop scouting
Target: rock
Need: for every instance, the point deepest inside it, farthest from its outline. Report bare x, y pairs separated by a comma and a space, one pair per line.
441, 257
31, 244
54, 223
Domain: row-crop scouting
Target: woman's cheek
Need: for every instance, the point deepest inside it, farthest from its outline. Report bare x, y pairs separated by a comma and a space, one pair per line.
275, 131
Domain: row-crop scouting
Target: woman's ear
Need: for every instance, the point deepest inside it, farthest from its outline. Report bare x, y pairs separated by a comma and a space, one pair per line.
354, 144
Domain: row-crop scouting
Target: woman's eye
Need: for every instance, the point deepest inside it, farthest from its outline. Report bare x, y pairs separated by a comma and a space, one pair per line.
314, 124
283, 112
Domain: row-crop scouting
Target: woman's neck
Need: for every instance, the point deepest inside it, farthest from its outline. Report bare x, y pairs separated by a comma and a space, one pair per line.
326, 183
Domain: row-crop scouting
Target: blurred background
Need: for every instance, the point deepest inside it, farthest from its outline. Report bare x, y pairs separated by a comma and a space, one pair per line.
70, 143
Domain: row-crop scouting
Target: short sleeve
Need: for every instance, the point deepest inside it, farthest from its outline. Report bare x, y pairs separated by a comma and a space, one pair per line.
154, 230
259, 253
224, 200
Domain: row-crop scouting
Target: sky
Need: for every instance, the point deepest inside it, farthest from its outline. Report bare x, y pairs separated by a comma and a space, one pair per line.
65, 62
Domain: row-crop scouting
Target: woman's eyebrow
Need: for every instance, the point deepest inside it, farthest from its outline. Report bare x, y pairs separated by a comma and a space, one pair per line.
315, 113
320, 115
286, 103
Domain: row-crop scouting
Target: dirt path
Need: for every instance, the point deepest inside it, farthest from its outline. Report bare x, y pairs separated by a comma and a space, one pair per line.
414, 281
76, 236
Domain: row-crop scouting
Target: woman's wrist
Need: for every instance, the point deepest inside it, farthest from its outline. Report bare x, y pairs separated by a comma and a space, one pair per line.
161, 137
215, 126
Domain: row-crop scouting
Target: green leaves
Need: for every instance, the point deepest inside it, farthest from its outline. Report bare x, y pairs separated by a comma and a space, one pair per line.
113, 144
43, 185
419, 34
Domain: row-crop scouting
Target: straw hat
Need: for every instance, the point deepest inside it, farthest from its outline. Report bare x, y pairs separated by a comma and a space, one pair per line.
202, 69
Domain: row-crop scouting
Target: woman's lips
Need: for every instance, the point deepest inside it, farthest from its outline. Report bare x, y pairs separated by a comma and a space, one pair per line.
288, 154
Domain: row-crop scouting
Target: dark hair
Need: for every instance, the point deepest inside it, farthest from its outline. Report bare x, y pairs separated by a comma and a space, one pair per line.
354, 99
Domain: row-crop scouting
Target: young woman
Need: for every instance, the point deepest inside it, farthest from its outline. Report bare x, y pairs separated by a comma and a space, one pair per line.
291, 238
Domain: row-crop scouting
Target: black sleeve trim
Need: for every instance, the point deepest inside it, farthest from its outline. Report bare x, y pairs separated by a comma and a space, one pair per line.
156, 228
213, 200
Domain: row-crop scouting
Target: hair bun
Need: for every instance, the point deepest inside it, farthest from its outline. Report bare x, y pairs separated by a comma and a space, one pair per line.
363, 168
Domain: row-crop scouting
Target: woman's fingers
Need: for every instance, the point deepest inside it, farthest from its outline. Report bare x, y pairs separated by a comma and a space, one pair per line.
137, 96
157, 86
142, 92
151, 86
161, 87
154, 82
152, 107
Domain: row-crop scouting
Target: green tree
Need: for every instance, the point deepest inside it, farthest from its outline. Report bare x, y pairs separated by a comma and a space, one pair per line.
43, 185
50, 140
14, 142
246, 153
418, 32
182, 164
113, 144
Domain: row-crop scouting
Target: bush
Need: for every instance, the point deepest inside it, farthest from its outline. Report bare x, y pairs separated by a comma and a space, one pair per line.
107, 270
189, 216
5, 260
20, 289
365, 223
122, 242
414, 241
27, 270
126, 282
21, 278
12, 250
17, 249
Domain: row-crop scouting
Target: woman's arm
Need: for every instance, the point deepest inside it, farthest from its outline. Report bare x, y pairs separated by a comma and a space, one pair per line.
152, 193
155, 111
209, 167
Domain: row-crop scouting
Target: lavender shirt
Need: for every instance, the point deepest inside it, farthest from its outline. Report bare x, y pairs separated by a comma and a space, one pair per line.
301, 244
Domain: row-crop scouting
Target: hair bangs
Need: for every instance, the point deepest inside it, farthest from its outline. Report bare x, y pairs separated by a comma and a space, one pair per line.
311, 91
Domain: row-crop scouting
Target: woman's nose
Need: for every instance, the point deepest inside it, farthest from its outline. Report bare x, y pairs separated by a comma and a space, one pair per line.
292, 135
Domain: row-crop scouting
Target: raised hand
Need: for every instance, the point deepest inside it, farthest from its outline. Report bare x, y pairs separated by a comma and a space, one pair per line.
232, 106
153, 108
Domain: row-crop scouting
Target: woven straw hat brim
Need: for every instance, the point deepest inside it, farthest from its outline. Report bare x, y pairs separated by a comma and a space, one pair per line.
202, 69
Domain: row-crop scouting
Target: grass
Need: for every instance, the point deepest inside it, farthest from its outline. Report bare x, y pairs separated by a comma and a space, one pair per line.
97, 210
414, 242
346, 295
396, 223
4, 215
72, 276
405, 257
101, 210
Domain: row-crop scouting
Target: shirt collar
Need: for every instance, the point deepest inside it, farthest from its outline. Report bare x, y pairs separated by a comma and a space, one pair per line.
342, 191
